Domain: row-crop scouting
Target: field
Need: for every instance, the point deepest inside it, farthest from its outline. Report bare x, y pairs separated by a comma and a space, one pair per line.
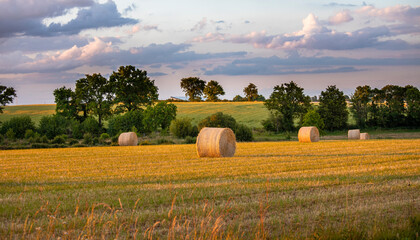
249, 113
268, 190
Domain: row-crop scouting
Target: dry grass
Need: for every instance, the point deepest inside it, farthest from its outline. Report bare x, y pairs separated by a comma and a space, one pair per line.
349, 189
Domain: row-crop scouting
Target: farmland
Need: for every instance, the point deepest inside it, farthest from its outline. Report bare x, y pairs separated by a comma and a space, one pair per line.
330, 189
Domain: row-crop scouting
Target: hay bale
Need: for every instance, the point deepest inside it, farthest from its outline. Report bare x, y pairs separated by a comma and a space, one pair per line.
308, 134
354, 134
128, 139
216, 142
364, 136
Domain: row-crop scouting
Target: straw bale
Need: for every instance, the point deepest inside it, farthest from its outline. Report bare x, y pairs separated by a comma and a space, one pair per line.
354, 134
128, 139
308, 134
364, 136
216, 142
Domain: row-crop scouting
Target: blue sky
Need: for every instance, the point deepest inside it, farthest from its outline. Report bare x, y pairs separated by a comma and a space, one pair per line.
46, 44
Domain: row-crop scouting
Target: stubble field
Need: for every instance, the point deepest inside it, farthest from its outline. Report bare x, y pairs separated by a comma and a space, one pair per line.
330, 189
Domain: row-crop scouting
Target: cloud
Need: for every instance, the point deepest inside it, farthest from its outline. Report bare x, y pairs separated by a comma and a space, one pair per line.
200, 25
101, 53
315, 36
341, 17
20, 17
398, 13
140, 27
304, 65
335, 4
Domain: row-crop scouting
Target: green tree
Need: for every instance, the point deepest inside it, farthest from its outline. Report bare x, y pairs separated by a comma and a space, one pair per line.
412, 98
312, 118
6, 96
159, 115
288, 102
19, 125
182, 128
361, 101
193, 88
65, 102
132, 88
251, 92
100, 96
238, 98
394, 103
212, 90
260, 98
219, 120
333, 108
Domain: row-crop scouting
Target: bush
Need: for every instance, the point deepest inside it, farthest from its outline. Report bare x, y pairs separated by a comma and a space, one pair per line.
40, 145
44, 139
219, 120
19, 125
90, 125
190, 140
59, 139
1, 138
164, 141
10, 134
87, 138
29, 133
104, 137
54, 125
73, 141
182, 128
243, 133
312, 118
161, 115
124, 123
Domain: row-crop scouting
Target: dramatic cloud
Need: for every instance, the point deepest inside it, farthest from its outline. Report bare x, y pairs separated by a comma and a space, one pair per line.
304, 65
341, 17
315, 36
101, 53
26, 17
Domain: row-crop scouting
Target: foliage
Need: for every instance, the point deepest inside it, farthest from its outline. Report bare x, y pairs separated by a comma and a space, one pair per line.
243, 133
360, 104
333, 109
65, 102
29, 133
312, 118
260, 98
412, 98
90, 125
182, 128
219, 120
238, 98
54, 125
159, 115
87, 138
251, 92
274, 122
286, 103
10, 134
212, 90
193, 88
6, 96
125, 122
132, 88
59, 139
19, 125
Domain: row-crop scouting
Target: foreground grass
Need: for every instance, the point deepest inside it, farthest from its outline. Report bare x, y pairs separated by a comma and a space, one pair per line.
332, 189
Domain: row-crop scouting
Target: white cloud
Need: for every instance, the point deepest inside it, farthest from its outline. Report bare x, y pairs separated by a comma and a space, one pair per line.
341, 17
398, 13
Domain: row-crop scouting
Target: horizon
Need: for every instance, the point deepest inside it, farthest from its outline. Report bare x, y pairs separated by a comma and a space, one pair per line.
45, 45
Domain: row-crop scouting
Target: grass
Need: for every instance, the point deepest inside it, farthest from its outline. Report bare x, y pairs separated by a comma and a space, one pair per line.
268, 190
249, 113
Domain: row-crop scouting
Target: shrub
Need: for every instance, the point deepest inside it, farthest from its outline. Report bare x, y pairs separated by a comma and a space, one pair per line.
1, 138
312, 118
243, 133
19, 125
124, 123
59, 139
164, 141
190, 140
73, 141
218, 120
29, 133
90, 125
40, 145
87, 138
182, 128
104, 136
10, 134
54, 125
43, 139
160, 115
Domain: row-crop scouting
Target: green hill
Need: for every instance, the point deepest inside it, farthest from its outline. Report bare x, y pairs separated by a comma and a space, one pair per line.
248, 113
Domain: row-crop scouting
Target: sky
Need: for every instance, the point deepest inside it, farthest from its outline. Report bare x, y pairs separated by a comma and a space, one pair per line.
47, 44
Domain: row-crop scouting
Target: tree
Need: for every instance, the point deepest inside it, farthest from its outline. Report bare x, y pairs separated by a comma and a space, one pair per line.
251, 92
100, 96
160, 115
394, 103
360, 104
260, 98
193, 88
312, 118
412, 98
65, 102
288, 102
132, 88
238, 98
212, 90
333, 108
6, 96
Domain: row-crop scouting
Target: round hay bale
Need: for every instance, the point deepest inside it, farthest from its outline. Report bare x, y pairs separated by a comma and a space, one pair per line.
364, 136
128, 139
354, 134
308, 134
216, 142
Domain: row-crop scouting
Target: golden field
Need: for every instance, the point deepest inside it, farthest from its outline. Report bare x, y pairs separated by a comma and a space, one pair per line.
345, 189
